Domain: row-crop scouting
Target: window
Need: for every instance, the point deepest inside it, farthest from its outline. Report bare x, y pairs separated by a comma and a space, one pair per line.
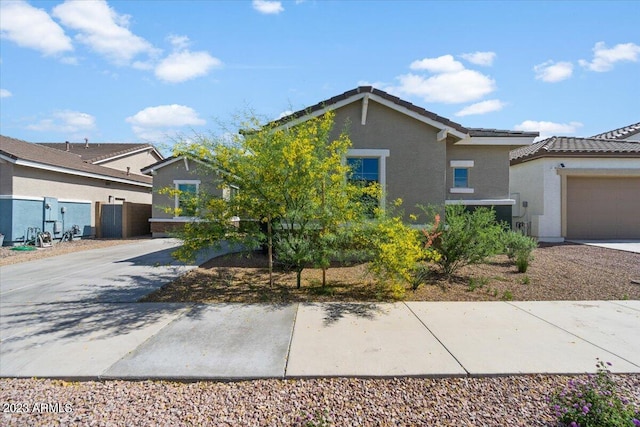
364, 170
460, 178
460, 175
185, 199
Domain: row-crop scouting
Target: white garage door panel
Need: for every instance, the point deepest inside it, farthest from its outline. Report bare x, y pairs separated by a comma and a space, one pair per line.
603, 208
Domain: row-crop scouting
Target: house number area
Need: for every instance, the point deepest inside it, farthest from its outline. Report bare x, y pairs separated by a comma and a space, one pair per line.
36, 407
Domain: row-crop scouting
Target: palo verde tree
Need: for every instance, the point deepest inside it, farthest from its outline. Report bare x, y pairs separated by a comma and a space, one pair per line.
293, 193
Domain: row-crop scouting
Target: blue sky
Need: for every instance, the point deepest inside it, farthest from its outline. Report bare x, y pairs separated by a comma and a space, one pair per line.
129, 71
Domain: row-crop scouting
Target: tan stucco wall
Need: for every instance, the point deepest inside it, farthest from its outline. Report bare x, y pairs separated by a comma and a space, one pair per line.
136, 162
32, 182
165, 176
416, 163
489, 176
6, 177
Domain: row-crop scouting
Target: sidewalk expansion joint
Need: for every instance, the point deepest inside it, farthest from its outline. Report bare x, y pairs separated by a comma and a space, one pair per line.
468, 374
572, 334
293, 328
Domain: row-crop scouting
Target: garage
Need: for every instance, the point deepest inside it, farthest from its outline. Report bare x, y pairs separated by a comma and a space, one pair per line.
603, 207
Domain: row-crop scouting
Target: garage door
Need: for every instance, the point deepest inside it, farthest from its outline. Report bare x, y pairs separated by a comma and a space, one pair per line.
603, 208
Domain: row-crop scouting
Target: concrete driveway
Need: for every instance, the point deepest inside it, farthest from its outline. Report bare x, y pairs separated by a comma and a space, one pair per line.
619, 245
121, 273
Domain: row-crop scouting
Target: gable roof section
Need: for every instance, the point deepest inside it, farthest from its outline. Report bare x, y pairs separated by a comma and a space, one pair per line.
620, 133
469, 136
171, 160
99, 153
382, 97
42, 157
562, 146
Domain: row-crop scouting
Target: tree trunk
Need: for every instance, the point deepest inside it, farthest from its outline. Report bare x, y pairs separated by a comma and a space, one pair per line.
299, 278
270, 251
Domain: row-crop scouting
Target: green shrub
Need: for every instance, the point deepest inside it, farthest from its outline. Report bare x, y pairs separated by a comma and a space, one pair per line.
519, 247
595, 401
467, 237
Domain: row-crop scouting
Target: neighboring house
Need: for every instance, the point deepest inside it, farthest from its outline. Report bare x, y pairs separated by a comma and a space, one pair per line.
579, 188
412, 153
52, 189
131, 157
184, 175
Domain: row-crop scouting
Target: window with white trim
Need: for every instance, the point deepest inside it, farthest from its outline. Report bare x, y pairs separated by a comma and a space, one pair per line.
368, 166
460, 176
186, 197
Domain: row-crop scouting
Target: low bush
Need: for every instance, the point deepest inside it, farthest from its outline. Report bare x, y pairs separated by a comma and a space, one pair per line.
594, 402
519, 247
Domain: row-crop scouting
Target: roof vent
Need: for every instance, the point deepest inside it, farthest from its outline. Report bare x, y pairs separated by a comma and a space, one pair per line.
66, 145
86, 143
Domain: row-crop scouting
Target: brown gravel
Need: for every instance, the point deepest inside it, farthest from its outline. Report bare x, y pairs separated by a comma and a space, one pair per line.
8, 256
558, 272
500, 401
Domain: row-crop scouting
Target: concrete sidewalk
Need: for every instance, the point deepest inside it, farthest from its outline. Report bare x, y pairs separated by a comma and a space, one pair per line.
88, 340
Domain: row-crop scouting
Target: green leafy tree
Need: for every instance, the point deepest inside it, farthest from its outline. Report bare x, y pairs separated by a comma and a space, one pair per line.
293, 192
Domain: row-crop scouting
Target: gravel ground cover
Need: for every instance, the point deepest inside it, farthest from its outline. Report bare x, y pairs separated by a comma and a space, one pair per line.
558, 272
498, 401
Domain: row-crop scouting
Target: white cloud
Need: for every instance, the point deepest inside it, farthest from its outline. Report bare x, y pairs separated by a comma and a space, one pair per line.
66, 121
285, 113
448, 88
155, 123
102, 29
553, 72
31, 27
480, 58
441, 64
268, 7
604, 59
4, 93
183, 65
482, 107
548, 129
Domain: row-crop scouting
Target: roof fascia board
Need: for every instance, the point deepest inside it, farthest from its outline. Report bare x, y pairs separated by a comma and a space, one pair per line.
149, 169
67, 171
128, 153
379, 100
497, 140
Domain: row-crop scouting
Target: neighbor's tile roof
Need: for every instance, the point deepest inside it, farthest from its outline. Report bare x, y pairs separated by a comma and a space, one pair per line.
620, 133
568, 146
499, 132
22, 150
96, 152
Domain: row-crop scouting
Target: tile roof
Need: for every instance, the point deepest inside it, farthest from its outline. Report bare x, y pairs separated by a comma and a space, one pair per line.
620, 133
479, 132
402, 103
22, 150
369, 89
571, 146
96, 152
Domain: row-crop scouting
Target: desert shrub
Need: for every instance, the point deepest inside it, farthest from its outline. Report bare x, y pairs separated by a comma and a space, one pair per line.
519, 247
396, 251
466, 237
595, 401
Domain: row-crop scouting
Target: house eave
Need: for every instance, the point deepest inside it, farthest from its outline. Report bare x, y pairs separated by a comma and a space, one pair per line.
514, 141
51, 168
129, 153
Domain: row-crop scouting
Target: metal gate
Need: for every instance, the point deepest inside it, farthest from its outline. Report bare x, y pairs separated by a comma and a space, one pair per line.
111, 222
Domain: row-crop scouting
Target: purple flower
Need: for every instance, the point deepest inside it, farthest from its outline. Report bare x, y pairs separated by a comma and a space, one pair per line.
574, 424
609, 363
585, 409
636, 422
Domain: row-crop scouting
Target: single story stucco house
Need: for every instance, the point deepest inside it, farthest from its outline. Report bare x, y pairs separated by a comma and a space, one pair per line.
412, 153
579, 188
52, 189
